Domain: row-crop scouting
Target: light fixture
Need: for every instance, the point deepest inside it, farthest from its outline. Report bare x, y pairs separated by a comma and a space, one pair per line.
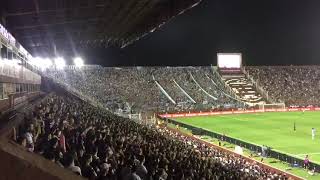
78, 61
59, 62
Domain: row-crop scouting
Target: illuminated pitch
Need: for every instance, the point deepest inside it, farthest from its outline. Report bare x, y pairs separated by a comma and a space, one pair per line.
274, 129
229, 60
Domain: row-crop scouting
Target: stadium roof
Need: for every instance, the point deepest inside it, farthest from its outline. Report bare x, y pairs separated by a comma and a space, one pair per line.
46, 25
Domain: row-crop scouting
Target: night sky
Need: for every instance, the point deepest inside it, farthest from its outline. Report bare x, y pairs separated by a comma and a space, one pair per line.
266, 32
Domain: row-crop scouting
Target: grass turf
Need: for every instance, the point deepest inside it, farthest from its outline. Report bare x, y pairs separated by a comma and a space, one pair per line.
274, 129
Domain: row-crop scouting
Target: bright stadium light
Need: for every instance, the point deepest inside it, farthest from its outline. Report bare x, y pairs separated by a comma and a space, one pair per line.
78, 61
46, 63
36, 61
42, 63
59, 62
229, 60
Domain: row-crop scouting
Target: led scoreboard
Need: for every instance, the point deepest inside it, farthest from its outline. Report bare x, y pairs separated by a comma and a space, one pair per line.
229, 62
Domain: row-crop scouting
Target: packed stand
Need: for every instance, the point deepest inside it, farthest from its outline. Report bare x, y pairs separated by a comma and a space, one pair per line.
293, 85
98, 145
128, 89
167, 77
207, 80
134, 89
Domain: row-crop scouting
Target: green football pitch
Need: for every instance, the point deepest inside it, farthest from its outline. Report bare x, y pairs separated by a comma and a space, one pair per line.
274, 129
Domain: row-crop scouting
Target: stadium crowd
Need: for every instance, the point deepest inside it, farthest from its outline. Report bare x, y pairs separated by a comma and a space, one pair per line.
100, 145
134, 89
294, 85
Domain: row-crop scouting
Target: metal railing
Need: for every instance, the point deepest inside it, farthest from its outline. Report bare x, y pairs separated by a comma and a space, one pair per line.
272, 153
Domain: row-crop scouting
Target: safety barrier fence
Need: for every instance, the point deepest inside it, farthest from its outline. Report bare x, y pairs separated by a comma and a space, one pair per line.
210, 113
272, 153
265, 166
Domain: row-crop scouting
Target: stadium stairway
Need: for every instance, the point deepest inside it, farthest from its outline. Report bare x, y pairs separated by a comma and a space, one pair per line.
226, 92
244, 89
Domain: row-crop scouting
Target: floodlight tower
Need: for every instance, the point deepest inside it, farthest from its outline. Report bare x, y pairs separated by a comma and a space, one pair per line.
78, 61
59, 62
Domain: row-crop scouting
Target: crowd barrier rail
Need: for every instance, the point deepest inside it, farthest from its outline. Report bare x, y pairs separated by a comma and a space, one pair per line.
262, 164
293, 160
174, 115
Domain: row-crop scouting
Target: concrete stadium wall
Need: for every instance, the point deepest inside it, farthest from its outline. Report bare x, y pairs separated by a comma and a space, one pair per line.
18, 164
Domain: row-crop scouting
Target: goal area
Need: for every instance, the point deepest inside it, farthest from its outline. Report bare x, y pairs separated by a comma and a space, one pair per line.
275, 106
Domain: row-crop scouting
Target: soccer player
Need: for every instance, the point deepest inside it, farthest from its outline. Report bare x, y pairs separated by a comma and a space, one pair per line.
313, 133
306, 162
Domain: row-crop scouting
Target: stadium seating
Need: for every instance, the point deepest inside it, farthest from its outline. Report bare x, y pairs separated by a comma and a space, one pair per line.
191, 88
244, 89
160, 89
99, 145
294, 85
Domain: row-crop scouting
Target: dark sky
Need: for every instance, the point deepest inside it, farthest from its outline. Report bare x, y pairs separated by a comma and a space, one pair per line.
268, 32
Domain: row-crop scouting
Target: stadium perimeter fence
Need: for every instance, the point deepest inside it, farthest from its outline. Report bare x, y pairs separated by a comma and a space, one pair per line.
293, 161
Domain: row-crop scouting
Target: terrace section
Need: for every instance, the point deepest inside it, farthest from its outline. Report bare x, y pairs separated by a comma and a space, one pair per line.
244, 89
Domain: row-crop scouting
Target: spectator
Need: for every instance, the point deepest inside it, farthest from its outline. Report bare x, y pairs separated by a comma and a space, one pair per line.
141, 169
131, 90
87, 169
69, 164
101, 145
296, 86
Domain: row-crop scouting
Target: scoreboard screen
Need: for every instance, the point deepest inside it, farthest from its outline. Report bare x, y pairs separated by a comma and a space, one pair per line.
229, 60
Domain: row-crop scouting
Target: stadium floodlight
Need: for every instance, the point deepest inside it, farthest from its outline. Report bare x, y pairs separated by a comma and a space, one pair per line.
36, 61
78, 61
46, 63
59, 62
42, 63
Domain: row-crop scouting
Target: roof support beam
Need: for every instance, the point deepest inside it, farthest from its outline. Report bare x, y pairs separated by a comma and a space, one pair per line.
55, 24
52, 10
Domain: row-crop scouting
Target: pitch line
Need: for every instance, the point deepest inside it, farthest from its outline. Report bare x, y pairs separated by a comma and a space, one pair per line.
308, 154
